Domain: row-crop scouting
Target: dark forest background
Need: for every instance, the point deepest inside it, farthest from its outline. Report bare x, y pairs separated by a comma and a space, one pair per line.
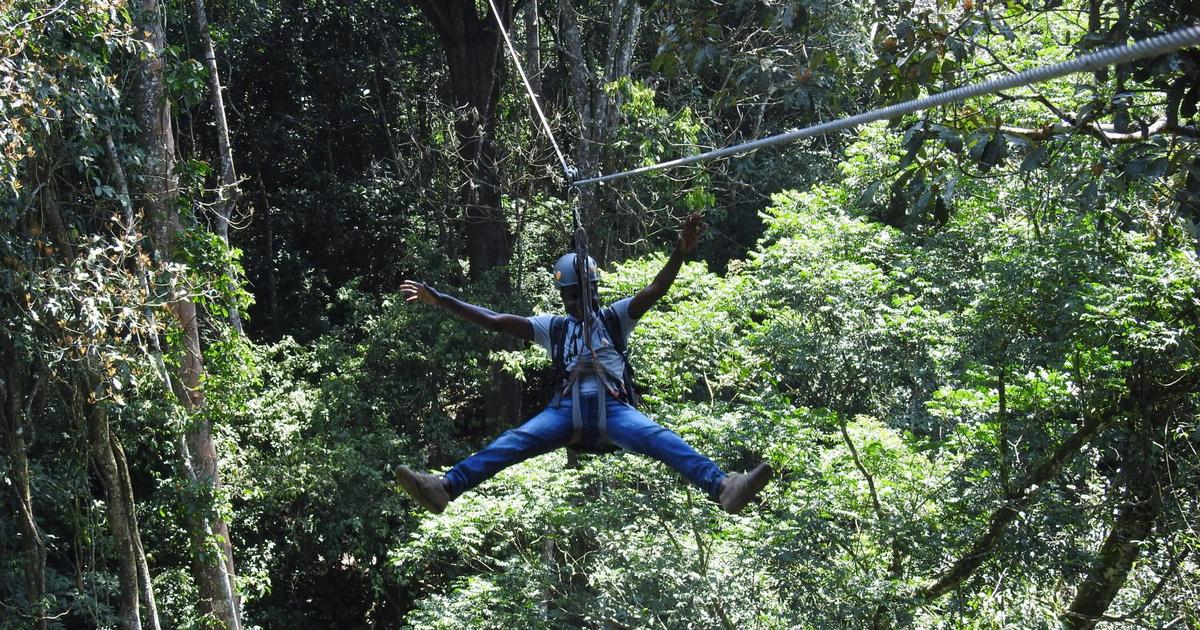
966, 339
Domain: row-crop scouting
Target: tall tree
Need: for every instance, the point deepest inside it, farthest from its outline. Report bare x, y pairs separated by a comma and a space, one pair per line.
118, 503
593, 70
227, 191
17, 394
153, 113
533, 48
471, 43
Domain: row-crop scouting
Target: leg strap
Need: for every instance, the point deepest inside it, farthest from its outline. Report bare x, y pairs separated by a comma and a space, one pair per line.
602, 417
577, 416
576, 412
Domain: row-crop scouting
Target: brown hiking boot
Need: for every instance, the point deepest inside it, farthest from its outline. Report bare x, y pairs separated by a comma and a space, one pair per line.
424, 488
738, 488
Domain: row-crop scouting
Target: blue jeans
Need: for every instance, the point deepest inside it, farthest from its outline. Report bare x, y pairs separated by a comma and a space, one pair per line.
628, 428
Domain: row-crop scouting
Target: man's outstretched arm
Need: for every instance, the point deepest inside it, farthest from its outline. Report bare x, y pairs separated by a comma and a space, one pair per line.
514, 325
689, 234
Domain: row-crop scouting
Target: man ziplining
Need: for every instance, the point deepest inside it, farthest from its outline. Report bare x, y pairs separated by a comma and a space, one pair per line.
591, 408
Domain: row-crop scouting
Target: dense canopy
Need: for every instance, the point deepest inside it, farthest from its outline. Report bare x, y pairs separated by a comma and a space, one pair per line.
967, 340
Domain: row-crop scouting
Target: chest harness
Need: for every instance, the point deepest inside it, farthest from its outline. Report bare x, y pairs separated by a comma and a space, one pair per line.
588, 363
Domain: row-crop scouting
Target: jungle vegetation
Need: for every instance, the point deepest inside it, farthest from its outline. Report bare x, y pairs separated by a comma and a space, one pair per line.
966, 339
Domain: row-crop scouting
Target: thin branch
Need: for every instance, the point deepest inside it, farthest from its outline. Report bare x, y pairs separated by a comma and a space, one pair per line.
1094, 424
1103, 132
1038, 97
862, 469
39, 18
983, 546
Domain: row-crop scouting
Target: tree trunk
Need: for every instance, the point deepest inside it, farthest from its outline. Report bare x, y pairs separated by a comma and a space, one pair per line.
120, 512
145, 582
1119, 36
581, 90
472, 45
488, 242
384, 123
1002, 429
269, 256
1117, 555
533, 51
143, 568
1096, 28
13, 423
215, 579
596, 106
114, 477
1145, 463
228, 192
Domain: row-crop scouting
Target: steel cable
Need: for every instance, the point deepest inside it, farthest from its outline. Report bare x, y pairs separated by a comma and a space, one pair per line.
567, 170
1188, 36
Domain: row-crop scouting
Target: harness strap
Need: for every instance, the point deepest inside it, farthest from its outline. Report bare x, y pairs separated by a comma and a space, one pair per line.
576, 412
602, 417
572, 385
587, 365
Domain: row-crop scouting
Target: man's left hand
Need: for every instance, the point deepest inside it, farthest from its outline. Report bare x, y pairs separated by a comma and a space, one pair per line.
689, 234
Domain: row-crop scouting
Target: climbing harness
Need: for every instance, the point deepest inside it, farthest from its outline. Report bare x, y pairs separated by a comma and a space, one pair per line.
588, 361
568, 381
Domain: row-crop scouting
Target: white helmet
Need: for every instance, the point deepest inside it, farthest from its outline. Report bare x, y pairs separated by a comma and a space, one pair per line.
565, 275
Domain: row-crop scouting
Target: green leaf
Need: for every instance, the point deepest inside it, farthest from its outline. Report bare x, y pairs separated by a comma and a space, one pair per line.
993, 152
868, 196
1148, 167
951, 137
1034, 158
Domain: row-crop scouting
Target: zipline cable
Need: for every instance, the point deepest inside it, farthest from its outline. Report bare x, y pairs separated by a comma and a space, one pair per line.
567, 170
1188, 36
579, 239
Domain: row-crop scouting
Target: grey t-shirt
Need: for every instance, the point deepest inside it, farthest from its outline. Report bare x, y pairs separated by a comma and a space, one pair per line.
576, 349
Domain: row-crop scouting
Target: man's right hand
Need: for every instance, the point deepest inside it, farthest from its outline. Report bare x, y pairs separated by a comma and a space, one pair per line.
414, 291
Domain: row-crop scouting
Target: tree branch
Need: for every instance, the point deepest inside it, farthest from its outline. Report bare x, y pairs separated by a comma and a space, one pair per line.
1038, 97
1118, 553
1093, 426
983, 546
1154, 593
861, 469
1103, 132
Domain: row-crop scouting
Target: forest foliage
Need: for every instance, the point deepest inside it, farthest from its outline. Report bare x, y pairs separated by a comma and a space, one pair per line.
968, 340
